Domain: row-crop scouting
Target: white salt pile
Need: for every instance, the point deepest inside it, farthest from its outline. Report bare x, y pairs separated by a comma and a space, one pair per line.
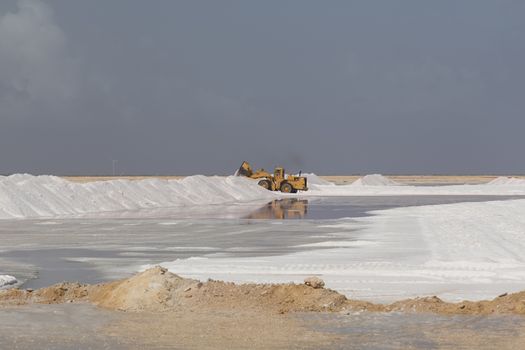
6, 280
313, 179
504, 181
25, 196
374, 180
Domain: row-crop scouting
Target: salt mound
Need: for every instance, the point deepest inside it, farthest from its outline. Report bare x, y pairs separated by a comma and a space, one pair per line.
313, 179
374, 180
6, 280
27, 196
503, 180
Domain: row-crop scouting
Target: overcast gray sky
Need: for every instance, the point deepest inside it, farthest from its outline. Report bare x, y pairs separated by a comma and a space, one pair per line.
333, 87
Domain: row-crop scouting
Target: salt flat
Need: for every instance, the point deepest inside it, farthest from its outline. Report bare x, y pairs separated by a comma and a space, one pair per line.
456, 251
379, 252
377, 239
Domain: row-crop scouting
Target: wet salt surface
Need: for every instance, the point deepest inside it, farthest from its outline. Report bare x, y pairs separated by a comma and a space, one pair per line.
95, 251
92, 250
358, 206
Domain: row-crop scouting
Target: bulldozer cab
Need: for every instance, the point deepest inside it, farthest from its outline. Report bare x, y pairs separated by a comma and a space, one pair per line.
279, 173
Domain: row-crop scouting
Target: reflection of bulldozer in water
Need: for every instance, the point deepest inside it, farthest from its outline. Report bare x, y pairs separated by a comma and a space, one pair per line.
287, 208
278, 181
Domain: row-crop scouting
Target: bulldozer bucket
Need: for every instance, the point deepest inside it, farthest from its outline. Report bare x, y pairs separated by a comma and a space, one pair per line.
244, 170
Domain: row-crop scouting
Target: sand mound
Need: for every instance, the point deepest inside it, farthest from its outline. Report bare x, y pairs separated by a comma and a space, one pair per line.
56, 294
504, 304
158, 290
374, 180
152, 290
503, 180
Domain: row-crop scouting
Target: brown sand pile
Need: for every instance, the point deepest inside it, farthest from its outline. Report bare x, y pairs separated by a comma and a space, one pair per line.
504, 304
152, 290
56, 294
157, 289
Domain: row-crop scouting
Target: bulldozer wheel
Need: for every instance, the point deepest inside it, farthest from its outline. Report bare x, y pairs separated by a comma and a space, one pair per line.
286, 188
265, 184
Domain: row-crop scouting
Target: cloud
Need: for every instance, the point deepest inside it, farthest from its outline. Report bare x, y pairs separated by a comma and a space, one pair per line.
35, 68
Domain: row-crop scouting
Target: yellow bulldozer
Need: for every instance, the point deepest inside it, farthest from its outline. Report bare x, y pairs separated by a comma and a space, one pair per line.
278, 181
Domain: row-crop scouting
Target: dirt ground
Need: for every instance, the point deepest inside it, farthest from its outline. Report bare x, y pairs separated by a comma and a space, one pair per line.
83, 326
157, 309
162, 311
